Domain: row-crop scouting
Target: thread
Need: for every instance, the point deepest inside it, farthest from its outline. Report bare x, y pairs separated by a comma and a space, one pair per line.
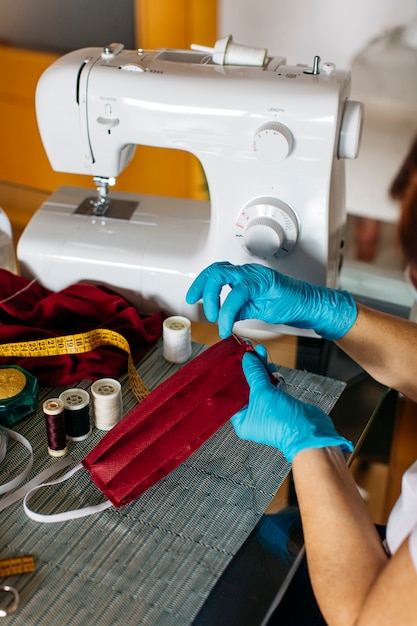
226, 52
107, 403
17, 293
176, 331
53, 409
236, 54
76, 413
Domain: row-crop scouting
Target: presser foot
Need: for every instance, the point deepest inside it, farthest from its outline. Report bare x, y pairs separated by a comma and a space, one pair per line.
104, 206
115, 208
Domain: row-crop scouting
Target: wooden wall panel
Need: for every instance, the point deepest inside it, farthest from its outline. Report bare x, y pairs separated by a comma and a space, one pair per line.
22, 158
175, 23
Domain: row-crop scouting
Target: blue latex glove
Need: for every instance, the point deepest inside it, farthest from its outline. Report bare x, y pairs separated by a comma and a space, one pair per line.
275, 418
261, 293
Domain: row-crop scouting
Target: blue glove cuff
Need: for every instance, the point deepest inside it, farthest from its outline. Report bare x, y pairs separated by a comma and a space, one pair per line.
338, 313
321, 442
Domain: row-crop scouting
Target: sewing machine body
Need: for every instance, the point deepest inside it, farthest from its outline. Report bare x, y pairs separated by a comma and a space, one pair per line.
271, 141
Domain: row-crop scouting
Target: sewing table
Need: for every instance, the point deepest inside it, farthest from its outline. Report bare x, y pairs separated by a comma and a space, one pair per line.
194, 549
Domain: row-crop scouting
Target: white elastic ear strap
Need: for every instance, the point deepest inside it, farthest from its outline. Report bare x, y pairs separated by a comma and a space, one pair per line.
28, 489
44, 475
5, 433
66, 515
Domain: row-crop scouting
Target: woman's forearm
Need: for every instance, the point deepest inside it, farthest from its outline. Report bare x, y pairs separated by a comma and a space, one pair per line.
344, 552
386, 347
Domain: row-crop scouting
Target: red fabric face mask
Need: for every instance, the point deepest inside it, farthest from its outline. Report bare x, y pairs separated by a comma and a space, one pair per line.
166, 427
169, 424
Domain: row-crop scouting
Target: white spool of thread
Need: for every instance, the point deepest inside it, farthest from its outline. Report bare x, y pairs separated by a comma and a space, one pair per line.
226, 52
176, 332
107, 403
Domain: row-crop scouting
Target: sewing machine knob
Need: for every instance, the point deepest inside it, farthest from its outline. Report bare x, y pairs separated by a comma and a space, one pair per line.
264, 237
272, 142
267, 228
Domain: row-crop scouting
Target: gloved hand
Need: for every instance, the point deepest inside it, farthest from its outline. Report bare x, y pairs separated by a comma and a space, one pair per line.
275, 418
261, 293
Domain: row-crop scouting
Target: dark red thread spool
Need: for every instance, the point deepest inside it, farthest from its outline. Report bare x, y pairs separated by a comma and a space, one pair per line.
53, 409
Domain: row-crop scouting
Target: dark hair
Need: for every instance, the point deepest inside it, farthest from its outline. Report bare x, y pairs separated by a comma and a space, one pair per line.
404, 190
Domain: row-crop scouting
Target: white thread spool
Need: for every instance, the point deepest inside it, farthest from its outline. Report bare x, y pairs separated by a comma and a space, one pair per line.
226, 52
176, 339
107, 403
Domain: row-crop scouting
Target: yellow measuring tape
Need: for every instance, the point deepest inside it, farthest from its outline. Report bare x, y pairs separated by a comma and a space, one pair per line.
77, 344
17, 565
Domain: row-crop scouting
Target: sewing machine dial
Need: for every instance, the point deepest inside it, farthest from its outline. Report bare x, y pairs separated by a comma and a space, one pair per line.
267, 229
272, 142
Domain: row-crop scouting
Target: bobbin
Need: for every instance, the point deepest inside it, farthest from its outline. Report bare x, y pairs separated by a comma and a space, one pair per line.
77, 413
57, 444
176, 331
107, 402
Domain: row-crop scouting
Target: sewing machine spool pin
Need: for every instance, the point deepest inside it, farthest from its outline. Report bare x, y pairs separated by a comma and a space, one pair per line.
316, 67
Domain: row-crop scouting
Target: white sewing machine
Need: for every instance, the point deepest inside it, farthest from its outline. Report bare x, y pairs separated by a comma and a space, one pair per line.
271, 139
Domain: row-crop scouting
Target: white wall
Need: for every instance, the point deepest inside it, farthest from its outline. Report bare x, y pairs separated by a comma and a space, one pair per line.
301, 29
337, 32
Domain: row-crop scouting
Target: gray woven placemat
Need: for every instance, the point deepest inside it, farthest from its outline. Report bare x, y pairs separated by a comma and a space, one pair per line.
155, 561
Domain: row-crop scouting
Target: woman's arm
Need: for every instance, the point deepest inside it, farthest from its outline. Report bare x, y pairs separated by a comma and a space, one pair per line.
386, 347
353, 580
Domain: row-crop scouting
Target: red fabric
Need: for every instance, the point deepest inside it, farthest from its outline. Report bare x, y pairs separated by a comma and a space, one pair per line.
37, 313
170, 423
